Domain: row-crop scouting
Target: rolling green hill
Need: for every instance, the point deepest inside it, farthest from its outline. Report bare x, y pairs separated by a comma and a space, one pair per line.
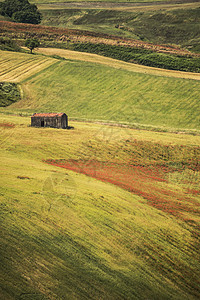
124, 224
68, 236
98, 92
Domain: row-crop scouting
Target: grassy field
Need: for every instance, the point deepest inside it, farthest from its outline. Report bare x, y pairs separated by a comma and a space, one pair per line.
98, 211
67, 235
114, 63
97, 92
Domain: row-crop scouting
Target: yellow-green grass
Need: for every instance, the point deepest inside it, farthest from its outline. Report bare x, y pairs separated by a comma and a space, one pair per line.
96, 92
89, 57
15, 67
68, 236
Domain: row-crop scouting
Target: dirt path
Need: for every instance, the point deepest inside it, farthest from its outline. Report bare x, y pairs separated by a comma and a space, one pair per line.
94, 58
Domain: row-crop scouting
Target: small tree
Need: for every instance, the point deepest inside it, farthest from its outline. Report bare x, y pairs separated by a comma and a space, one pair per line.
32, 44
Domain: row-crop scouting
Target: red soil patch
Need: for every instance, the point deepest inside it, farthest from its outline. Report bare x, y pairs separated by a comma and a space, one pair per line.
140, 180
7, 125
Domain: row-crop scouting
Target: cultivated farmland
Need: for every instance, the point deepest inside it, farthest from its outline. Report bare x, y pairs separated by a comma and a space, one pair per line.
90, 91
17, 67
89, 57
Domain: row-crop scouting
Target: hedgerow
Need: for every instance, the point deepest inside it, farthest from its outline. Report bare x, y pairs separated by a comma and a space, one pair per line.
141, 56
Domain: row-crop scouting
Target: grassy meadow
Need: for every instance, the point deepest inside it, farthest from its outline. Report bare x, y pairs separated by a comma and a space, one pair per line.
92, 91
67, 235
108, 209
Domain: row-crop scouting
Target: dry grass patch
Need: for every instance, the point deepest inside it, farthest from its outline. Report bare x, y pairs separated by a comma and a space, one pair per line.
16, 67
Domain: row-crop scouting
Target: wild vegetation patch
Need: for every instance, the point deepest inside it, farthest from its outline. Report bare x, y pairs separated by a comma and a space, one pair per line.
9, 93
7, 125
9, 44
178, 26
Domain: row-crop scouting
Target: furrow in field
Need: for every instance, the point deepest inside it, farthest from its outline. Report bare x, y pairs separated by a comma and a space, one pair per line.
19, 67
14, 66
68, 54
4, 62
31, 70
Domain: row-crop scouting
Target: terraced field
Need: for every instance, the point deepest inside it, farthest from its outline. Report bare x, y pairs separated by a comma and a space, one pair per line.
17, 67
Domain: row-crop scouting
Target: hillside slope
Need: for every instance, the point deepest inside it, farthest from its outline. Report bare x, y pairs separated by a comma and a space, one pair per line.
115, 63
160, 25
98, 92
68, 236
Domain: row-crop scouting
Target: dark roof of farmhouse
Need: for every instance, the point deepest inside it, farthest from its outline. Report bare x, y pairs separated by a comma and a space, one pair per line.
48, 114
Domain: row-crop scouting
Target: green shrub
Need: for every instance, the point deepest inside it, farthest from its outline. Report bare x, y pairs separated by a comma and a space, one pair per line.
8, 44
9, 93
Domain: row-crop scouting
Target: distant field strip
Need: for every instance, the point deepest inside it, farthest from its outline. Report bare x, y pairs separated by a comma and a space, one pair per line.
113, 3
15, 67
119, 6
68, 54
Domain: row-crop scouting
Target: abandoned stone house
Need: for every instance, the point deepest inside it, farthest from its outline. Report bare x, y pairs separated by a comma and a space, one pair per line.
55, 120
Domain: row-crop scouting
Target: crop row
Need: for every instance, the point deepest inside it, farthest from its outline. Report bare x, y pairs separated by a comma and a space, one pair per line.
15, 68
